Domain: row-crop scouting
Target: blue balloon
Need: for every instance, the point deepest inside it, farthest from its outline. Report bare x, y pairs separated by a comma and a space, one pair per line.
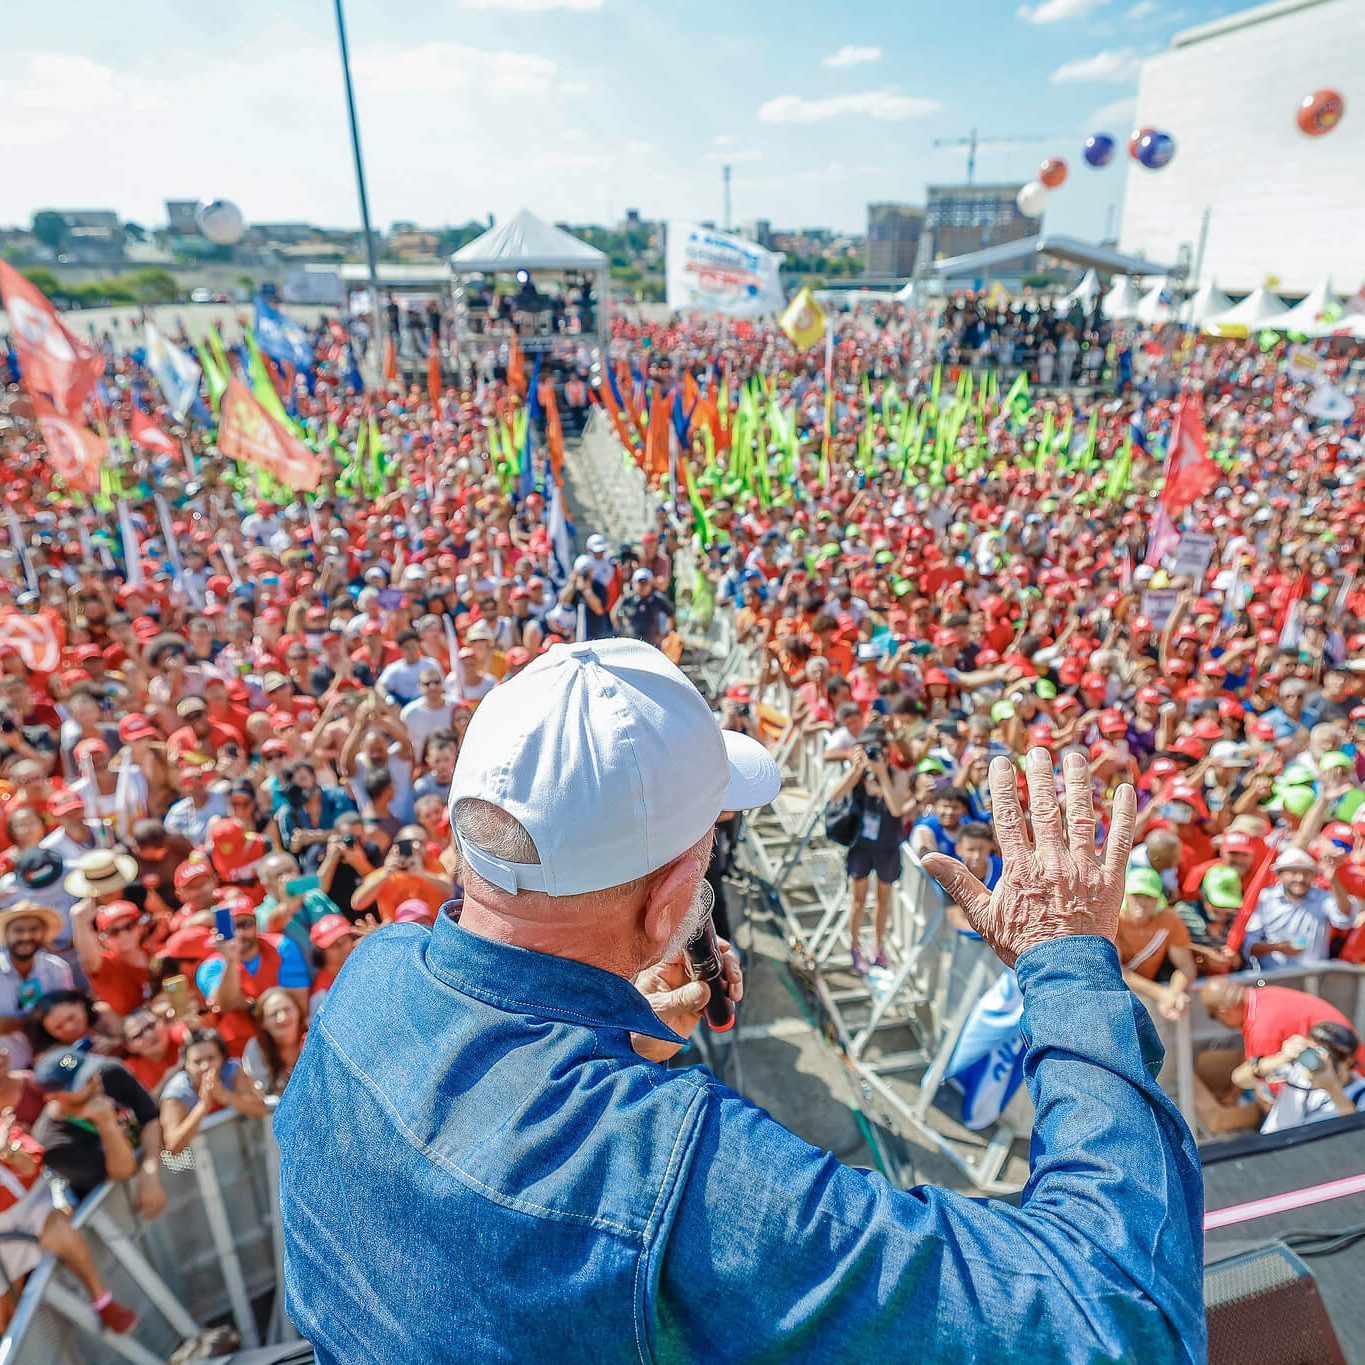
1155, 150
1099, 149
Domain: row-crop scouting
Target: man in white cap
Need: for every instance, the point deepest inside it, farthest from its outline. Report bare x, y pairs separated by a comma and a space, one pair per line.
1292, 922
479, 1160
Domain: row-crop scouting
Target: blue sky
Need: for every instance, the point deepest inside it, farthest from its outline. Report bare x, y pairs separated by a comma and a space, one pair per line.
574, 108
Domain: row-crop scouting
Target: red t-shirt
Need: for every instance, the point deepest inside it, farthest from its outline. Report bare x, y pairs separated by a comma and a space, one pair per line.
1274, 1013
119, 984
151, 1071
185, 741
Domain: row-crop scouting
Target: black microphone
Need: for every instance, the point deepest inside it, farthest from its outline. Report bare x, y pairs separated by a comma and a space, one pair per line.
704, 954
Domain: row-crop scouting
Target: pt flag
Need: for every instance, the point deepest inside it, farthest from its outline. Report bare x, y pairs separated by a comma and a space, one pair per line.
247, 432
176, 373
715, 272
53, 360
38, 637
145, 433
75, 452
804, 320
1189, 471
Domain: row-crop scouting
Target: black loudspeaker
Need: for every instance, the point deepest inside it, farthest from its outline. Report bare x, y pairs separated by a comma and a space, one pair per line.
1264, 1306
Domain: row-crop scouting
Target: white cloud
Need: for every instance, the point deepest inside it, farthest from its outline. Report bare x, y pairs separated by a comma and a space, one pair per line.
1058, 11
729, 158
1116, 65
1115, 118
54, 83
536, 6
886, 106
1144, 9
721, 140
851, 55
441, 68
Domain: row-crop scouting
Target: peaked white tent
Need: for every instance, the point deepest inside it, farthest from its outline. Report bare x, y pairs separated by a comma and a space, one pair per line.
1206, 303
1155, 305
1259, 310
1085, 293
525, 242
1121, 302
1302, 318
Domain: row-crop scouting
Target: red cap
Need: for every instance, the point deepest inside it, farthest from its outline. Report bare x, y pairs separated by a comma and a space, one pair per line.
64, 802
135, 726
190, 871
330, 928
116, 913
414, 911
190, 943
1236, 841
88, 747
1149, 696
1111, 723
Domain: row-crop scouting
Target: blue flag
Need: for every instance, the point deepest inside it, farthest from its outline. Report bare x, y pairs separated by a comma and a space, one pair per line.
176, 374
281, 338
527, 484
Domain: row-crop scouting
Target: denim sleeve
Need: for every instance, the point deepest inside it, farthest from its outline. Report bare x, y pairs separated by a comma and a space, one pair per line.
778, 1252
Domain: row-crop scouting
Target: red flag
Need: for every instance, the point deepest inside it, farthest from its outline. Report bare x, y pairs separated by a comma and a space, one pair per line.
53, 360
1189, 471
144, 432
246, 431
390, 363
38, 638
75, 451
434, 378
1250, 896
516, 366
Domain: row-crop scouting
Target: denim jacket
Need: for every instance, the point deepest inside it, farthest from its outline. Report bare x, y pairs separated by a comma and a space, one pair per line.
477, 1167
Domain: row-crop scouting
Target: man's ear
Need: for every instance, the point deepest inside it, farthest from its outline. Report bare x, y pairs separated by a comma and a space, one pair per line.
669, 898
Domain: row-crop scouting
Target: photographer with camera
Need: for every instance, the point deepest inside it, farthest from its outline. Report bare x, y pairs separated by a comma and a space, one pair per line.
309, 813
872, 801
1314, 1078
583, 592
347, 861
401, 877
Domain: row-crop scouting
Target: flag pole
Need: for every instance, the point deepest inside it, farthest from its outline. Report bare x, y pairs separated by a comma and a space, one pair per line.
373, 356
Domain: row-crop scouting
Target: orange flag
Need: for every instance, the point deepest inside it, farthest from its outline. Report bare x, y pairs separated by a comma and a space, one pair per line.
434, 377
75, 452
516, 366
554, 431
390, 362
247, 432
656, 442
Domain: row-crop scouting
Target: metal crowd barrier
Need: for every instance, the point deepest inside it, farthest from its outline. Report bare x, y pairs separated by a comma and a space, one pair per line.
620, 491
215, 1255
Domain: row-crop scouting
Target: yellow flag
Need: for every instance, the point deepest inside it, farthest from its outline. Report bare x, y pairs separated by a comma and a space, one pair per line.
803, 320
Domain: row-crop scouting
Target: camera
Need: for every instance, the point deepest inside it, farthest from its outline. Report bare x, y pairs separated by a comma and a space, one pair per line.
295, 795
348, 841
407, 848
874, 751
1310, 1059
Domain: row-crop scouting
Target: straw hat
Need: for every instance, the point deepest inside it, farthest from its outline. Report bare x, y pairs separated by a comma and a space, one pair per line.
52, 922
100, 872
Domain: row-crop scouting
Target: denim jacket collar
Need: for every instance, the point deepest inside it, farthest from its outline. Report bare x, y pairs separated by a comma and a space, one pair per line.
518, 979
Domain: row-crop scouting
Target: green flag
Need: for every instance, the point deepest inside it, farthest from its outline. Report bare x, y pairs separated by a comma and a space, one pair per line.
1117, 484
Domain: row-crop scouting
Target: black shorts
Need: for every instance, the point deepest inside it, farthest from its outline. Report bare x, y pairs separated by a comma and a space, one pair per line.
866, 858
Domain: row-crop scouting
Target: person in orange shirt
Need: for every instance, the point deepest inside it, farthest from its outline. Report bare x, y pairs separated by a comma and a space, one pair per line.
1150, 934
401, 878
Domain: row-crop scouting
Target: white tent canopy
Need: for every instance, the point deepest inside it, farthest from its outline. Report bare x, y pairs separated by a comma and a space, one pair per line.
1121, 302
1085, 293
1155, 305
526, 242
1260, 309
1207, 303
1303, 317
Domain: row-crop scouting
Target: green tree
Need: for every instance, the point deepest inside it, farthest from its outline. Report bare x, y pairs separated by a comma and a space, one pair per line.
49, 228
45, 280
151, 286
135, 232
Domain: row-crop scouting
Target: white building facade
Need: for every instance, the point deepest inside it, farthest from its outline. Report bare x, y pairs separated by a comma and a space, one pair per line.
1285, 209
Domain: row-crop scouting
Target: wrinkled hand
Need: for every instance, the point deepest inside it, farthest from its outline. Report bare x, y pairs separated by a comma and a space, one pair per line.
1056, 886
679, 1001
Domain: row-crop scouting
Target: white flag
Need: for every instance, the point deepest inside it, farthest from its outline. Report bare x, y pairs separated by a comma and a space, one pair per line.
132, 556
716, 272
176, 373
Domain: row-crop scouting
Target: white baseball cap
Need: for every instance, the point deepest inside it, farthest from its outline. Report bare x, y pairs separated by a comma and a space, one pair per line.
598, 544
612, 763
1295, 858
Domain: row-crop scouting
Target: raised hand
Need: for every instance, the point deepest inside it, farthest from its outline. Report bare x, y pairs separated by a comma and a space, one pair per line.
1057, 886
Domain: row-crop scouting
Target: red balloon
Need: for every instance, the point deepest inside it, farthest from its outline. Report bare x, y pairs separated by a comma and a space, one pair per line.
1052, 172
1320, 112
1134, 138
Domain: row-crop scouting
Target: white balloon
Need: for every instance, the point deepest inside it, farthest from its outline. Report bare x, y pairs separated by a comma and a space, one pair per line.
221, 222
1032, 199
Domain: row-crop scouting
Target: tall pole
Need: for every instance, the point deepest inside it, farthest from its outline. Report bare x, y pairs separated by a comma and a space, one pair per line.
725, 171
971, 155
377, 338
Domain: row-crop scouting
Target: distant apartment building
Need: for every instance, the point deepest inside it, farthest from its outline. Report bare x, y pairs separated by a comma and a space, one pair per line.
893, 233
182, 217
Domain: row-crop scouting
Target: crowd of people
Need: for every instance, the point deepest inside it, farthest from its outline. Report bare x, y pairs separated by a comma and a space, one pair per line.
230, 716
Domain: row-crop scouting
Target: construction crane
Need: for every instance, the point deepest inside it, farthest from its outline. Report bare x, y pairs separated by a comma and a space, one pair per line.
972, 141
